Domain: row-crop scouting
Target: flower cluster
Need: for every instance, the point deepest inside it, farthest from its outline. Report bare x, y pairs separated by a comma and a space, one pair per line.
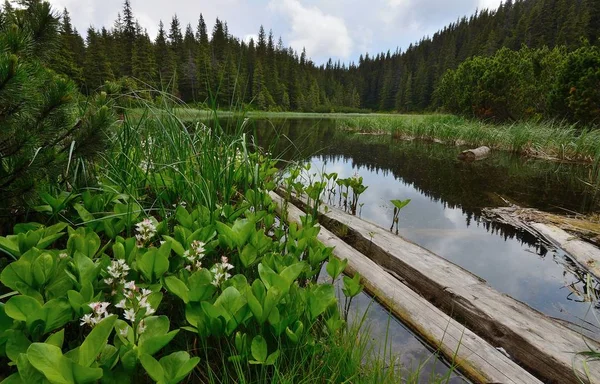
98, 314
145, 231
136, 306
356, 177
117, 272
195, 255
220, 271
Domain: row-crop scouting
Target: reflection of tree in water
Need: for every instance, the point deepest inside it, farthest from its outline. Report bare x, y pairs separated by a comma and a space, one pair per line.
434, 171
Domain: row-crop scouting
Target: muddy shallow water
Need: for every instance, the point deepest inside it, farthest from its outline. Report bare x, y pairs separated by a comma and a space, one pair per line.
444, 215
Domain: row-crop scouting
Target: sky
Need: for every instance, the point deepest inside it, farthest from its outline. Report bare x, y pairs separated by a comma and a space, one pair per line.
340, 29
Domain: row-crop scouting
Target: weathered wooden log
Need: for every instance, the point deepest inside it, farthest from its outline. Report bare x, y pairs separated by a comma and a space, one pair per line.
543, 346
476, 358
474, 154
547, 226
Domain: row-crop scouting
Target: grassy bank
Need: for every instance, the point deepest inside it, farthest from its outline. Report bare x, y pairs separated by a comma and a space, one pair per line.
545, 140
164, 261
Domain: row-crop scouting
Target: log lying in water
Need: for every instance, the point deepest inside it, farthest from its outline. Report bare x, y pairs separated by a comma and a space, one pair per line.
475, 357
543, 346
474, 154
548, 227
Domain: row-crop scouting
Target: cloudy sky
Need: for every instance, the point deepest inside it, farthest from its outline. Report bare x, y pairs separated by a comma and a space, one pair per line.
342, 29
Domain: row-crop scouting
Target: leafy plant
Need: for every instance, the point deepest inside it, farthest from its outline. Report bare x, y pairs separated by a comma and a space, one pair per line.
398, 206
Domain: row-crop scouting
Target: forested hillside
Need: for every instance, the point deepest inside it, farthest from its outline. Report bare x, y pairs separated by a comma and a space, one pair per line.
201, 66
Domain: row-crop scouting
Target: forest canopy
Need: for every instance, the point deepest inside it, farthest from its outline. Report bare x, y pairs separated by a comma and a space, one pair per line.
537, 40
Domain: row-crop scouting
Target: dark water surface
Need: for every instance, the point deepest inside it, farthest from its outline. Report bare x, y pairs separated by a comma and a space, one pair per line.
447, 197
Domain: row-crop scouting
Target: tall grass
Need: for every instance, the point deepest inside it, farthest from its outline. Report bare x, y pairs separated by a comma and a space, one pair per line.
552, 139
160, 156
163, 157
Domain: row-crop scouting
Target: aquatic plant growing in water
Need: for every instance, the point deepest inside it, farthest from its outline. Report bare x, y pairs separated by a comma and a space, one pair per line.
398, 205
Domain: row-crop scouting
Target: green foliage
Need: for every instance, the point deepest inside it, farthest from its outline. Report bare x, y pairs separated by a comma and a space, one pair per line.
45, 134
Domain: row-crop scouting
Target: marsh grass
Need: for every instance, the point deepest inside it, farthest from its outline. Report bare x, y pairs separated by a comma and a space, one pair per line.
166, 156
551, 140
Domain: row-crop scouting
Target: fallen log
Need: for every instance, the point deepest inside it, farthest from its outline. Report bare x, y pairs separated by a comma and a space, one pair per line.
476, 358
474, 154
545, 347
552, 229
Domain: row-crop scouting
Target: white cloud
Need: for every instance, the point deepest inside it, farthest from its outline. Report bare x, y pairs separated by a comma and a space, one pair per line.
321, 34
489, 4
251, 36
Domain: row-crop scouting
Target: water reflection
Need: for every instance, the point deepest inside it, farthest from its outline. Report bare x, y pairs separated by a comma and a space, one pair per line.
447, 197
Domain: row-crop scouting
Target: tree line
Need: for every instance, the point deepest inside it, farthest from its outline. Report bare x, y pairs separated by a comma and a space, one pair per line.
216, 68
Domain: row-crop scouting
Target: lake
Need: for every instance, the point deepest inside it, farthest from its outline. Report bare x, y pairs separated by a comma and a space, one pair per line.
445, 213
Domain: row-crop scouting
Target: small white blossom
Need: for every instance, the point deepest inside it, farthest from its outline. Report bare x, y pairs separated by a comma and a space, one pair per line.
87, 320
63, 255
146, 292
109, 281
129, 314
123, 332
141, 327
220, 271
146, 231
99, 312
121, 304
130, 285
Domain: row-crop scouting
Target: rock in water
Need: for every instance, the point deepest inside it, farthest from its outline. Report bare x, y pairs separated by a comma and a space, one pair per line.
475, 154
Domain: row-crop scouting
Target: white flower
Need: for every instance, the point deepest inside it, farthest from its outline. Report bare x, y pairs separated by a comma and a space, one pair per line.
188, 268
129, 314
87, 319
109, 281
99, 308
149, 310
63, 255
121, 304
141, 327
146, 230
123, 332
146, 292
130, 285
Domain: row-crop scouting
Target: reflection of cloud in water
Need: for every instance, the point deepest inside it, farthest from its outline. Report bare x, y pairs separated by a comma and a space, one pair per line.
388, 334
506, 263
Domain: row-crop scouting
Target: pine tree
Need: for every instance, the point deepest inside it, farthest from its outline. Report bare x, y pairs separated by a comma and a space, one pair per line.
97, 69
166, 61
203, 62
64, 61
41, 127
143, 61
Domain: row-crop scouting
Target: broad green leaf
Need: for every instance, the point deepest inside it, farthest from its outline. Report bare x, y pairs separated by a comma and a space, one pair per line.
335, 267
57, 313
56, 339
259, 349
16, 344
42, 268
153, 368
84, 375
153, 264
291, 273
22, 308
320, 298
49, 360
272, 358
177, 287
94, 343
27, 372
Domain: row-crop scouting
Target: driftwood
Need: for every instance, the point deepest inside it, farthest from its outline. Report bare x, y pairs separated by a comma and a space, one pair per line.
545, 347
474, 154
475, 357
553, 230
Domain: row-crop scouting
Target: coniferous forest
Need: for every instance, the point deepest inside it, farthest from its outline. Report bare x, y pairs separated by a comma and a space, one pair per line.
548, 44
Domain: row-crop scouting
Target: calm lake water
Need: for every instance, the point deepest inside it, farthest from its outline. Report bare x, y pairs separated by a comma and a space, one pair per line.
444, 215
